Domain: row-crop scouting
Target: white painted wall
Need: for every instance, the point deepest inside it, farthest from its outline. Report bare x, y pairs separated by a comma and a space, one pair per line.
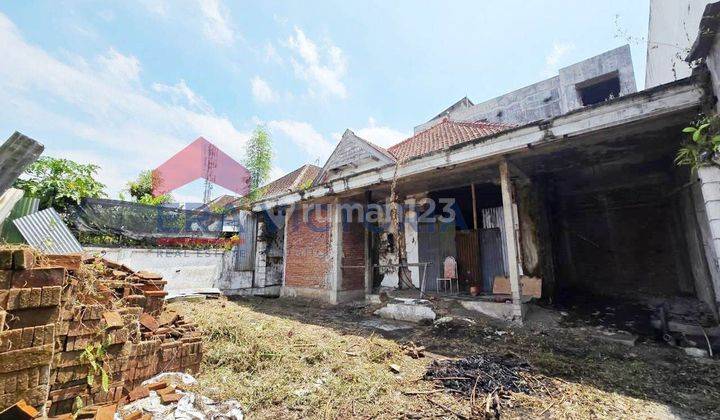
672, 30
186, 269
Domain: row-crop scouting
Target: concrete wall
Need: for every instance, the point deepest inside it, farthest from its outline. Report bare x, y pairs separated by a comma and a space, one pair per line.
710, 224
186, 269
672, 29
551, 97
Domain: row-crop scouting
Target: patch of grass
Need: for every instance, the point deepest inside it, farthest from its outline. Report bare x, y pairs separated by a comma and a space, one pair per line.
275, 365
287, 359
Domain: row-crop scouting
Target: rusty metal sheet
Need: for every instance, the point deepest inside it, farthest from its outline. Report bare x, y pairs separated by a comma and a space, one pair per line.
467, 243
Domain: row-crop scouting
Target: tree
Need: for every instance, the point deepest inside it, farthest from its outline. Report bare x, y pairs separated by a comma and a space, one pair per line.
141, 190
258, 160
59, 182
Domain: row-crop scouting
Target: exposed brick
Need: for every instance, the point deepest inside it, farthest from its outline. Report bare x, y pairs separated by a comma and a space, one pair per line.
27, 337
353, 256
6, 259
51, 295
70, 262
25, 358
39, 277
13, 299
5, 279
308, 260
23, 259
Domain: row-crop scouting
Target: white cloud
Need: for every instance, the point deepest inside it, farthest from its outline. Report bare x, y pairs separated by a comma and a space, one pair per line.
304, 136
261, 91
101, 109
271, 54
555, 57
216, 27
119, 67
381, 135
212, 14
322, 67
158, 7
180, 93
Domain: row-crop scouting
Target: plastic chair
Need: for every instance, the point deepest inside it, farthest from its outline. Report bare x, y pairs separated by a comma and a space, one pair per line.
449, 277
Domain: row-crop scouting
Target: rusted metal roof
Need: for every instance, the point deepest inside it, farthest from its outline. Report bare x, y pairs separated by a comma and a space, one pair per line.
45, 231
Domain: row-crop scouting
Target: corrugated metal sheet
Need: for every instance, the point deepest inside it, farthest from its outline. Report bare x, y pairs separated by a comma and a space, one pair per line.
468, 252
494, 218
46, 231
493, 261
245, 251
7, 202
15, 154
9, 233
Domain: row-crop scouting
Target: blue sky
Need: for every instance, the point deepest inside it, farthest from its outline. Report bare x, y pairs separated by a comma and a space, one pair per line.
126, 84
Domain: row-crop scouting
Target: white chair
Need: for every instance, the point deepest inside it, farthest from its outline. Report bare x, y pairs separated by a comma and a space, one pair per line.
449, 278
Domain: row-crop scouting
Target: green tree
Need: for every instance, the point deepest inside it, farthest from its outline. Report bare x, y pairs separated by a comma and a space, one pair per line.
258, 160
141, 190
59, 182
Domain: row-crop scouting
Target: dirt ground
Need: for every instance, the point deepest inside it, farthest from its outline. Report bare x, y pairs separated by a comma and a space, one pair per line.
295, 359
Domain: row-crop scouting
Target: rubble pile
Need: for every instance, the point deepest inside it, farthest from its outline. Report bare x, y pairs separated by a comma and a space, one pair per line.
84, 332
482, 374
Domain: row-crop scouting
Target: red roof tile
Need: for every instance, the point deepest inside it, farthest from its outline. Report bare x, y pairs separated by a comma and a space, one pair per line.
441, 136
292, 181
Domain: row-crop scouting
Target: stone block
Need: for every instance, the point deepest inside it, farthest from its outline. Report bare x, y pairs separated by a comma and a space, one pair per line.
408, 312
70, 262
5, 279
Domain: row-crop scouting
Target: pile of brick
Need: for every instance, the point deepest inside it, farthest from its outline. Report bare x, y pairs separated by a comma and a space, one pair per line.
64, 315
29, 308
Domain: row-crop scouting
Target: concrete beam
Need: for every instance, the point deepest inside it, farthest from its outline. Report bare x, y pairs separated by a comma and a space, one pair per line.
653, 104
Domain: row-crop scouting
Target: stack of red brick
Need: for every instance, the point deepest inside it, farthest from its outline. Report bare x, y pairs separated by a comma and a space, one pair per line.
29, 308
62, 317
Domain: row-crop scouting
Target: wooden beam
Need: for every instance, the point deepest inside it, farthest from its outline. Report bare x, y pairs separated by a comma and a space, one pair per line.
474, 204
510, 241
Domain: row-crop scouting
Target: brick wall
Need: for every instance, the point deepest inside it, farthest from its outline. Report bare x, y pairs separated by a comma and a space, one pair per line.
309, 258
353, 255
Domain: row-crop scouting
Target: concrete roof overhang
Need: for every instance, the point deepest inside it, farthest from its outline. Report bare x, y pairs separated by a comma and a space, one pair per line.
663, 106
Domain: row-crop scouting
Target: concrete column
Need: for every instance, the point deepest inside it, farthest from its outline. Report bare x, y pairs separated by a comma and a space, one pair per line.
710, 189
510, 240
337, 249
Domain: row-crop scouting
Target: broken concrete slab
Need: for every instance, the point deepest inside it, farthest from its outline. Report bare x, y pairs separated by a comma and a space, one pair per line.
695, 352
624, 338
414, 311
497, 310
388, 326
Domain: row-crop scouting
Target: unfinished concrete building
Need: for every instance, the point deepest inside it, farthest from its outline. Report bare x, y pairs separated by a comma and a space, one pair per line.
565, 190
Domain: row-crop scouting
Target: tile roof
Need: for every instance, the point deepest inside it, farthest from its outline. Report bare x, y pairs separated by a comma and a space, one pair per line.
292, 181
443, 135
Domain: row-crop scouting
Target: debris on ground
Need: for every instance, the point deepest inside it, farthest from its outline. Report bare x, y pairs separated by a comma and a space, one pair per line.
168, 396
413, 350
481, 374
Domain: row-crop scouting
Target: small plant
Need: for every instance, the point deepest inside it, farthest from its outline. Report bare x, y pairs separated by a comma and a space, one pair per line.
702, 147
95, 355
